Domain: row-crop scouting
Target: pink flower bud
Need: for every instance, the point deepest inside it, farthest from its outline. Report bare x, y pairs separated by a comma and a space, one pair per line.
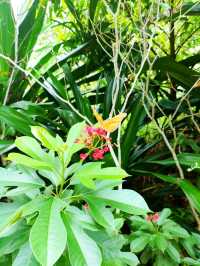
83, 156
155, 217
106, 149
98, 154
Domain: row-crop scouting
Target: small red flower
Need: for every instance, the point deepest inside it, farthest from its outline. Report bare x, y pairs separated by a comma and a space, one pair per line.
100, 131
98, 154
90, 130
155, 217
83, 156
106, 149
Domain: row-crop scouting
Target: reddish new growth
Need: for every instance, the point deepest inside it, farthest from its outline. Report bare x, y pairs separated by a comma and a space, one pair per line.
95, 140
153, 218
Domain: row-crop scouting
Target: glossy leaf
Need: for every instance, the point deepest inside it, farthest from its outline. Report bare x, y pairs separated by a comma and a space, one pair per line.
6, 38
9, 177
192, 193
25, 257
27, 161
126, 200
48, 235
139, 243
29, 146
83, 251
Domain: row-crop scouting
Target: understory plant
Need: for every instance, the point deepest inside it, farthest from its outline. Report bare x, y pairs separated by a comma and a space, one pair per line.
58, 207
161, 241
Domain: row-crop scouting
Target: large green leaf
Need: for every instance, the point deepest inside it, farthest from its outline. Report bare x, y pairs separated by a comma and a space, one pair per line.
10, 177
7, 36
83, 251
139, 243
190, 9
192, 193
92, 9
75, 13
6, 210
29, 162
13, 242
29, 146
18, 120
100, 213
46, 138
178, 71
48, 235
126, 200
173, 253
25, 257
93, 170
30, 28
128, 140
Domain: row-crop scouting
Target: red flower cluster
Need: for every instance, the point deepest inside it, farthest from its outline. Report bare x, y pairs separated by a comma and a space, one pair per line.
96, 141
98, 154
153, 218
96, 131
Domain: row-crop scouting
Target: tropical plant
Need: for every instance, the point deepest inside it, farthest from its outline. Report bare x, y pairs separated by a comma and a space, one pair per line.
161, 241
58, 212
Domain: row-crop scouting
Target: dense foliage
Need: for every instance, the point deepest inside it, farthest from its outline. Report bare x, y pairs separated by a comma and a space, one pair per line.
137, 64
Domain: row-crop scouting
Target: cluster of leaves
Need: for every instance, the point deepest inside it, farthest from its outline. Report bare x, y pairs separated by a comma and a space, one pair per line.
75, 71
61, 213
161, 241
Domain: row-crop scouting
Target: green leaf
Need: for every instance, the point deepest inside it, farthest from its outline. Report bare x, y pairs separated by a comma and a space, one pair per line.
191, 192
6, 145
175, 230
139, 243
167, 178
126, 200
75, 13
83, 251
13, 242
82, 218
27, 161
92, 9
173, 253
160, 242
18, 120
7, 37
29, 146
100, 213
30, 28
129, 258
48, 235
58, 86
90, 171
129, 138
165, 213
190, 261
10, 177
25, 257
164, 260
74, 133
184, 75
190, 9
6, 210
46, 138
